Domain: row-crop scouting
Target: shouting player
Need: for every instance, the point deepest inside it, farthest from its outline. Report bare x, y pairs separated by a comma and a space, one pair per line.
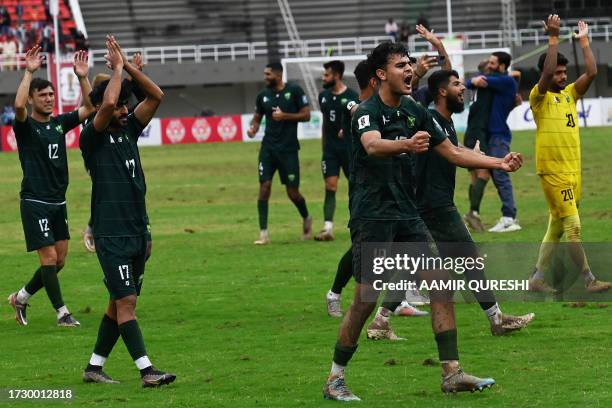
333, 101
558, 162
283, 106
383, 208
41, 139
110, 150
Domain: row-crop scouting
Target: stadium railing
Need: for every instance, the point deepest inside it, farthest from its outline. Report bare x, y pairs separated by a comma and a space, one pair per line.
322, 47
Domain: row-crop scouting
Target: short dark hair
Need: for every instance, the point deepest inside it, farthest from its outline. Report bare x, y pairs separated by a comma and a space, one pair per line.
440, 79
379, 57
37, 84
97, 94
503, 58
363, 73
561, 60
275, 66
336, 67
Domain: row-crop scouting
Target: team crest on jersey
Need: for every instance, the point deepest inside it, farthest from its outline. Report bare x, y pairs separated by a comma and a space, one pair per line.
343, 101
287, 95
59, 128
556, 99
567, 98
411, 121
265, 99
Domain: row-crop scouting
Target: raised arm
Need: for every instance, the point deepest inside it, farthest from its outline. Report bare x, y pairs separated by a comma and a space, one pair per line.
467, 158
146, 109
437, 44
584, 81
552, 28
375, 145
81, 69
33, 61
113, 89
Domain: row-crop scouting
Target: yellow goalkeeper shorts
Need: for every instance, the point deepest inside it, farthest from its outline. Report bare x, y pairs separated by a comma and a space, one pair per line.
562, 193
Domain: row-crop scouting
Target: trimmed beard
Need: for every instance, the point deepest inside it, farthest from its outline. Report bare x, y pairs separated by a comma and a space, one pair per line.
454, 106
329, 85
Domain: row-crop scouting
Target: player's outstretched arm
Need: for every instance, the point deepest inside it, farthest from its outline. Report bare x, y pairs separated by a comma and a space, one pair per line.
33, 60
114, 61
81, 69
467, 158
375, 145
584, 81
437, 44
146, 109
552, 26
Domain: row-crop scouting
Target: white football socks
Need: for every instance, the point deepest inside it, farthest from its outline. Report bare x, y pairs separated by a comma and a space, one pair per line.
23, 296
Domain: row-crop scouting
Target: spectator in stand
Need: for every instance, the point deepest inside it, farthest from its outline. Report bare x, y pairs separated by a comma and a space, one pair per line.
80, 42
46, 43
404, 32
391, 29
19, 12
5, 21
8, 115
422, 20
9, 51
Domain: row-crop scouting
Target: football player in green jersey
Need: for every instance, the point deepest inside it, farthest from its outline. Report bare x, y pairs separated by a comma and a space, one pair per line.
109, 144
42, 152
283, 105
333, 101
387, 129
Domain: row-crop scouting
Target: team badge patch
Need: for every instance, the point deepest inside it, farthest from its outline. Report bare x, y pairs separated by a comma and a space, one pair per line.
411, 121
291, 177
343, 101
364, 122
287, 95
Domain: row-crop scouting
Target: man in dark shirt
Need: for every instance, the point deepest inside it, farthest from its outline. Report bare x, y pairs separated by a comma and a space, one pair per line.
386, 128
109, 144
283, 106
333, 101
41, 142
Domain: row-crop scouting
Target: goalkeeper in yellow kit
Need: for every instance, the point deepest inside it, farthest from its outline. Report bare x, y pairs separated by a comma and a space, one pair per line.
558, 153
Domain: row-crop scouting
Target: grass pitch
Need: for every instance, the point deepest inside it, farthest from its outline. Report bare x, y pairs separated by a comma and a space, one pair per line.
246, 326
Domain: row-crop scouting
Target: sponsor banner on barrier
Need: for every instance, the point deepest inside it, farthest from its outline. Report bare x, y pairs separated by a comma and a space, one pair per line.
151, 135
201, 129
9, 143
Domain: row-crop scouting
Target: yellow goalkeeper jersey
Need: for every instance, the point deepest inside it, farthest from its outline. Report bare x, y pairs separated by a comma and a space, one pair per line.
557, 134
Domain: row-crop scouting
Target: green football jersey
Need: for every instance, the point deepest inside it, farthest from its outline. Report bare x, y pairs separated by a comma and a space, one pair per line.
42, 153
118, 185
383, 187
281, 135
333, 109
435, 175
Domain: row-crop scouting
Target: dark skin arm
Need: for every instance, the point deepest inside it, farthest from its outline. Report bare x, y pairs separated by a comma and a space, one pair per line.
375, 145
111, 94
552, 28
302, 116
584, 81
467, 158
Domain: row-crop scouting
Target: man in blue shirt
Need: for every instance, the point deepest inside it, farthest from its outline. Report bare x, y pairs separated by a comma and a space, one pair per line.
504, 100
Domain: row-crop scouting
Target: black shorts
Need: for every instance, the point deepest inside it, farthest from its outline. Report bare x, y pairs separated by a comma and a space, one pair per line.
481, 135
123, 263
386, 231
43, 224
287, 164
334, 159
447, 228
